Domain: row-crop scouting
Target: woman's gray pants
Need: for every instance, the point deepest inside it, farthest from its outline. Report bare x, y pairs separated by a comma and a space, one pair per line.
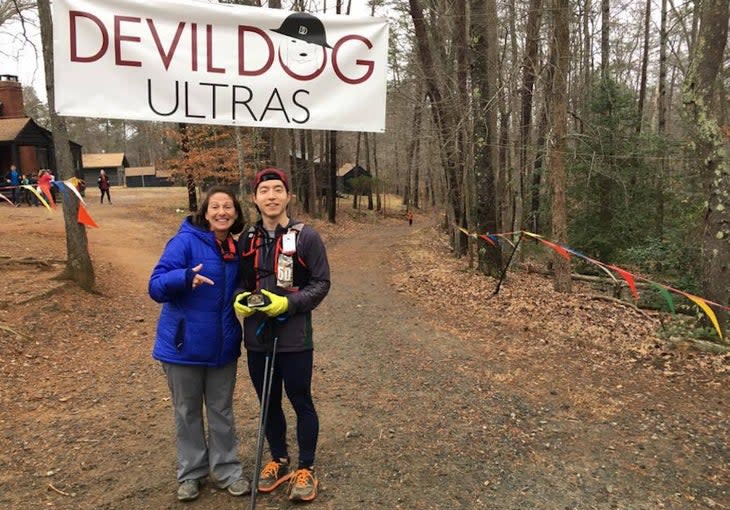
192, 387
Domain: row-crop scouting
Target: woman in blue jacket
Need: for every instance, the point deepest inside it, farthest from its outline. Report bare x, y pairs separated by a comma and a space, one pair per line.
198, 342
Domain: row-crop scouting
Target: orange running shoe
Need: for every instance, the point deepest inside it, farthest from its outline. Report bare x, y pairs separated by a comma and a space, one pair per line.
274, 474
303, 485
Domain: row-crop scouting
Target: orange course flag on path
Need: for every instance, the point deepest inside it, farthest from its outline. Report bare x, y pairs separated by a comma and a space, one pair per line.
84, 218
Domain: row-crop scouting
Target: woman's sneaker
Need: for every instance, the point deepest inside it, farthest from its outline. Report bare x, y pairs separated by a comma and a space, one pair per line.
239, 487
303, 485
274, 474
188, 490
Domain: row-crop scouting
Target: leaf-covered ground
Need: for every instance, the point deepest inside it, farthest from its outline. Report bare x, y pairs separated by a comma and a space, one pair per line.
432, 393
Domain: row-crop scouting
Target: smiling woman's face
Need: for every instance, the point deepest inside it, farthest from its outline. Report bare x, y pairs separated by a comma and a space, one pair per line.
221, 213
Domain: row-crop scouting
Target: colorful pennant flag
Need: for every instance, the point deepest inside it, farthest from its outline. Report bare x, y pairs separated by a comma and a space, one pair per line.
629, 280
85, 218
70, 185
559, 249
47, 192
37, 194
488, 239
502, 236
7, 199
466, 232
666, 295
708, 311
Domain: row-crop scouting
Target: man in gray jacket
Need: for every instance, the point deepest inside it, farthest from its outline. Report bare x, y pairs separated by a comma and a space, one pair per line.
285, 261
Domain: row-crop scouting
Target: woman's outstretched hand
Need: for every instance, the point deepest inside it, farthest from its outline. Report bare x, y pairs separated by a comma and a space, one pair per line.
199, 279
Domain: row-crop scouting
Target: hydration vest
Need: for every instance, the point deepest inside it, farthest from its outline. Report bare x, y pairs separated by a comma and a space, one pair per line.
251, 272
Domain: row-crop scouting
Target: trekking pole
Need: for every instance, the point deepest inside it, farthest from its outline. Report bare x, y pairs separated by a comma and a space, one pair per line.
504, 271
265, 397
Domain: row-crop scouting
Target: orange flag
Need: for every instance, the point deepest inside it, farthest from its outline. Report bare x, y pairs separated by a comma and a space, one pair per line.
84, 218
629, 280
46, 189
559, 249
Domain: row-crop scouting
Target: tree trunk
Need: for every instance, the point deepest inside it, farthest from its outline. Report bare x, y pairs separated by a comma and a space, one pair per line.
484, 77
332, 192
357, 148
557, 115
529, 66
312, 170
378, 185
189, 178
605, 37
446, 125
701, 107
410, 193
369, 167
242, 184
644, 65
661, 122
301, 171
78, 261
587, 62
538, 164
506, 192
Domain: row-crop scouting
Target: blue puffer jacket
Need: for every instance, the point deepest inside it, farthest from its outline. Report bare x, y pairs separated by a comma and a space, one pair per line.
196, 327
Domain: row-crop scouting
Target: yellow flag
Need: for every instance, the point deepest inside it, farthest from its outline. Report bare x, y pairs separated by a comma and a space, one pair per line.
705, 308
35, 192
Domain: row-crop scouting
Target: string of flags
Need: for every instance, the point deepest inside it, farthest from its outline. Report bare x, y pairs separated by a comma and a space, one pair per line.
611, 270
45, 197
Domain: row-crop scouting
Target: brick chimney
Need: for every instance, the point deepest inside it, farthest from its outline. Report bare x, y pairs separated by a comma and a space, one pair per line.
11, 97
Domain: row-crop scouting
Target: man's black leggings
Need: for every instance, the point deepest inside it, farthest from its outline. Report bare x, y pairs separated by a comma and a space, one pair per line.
294, 370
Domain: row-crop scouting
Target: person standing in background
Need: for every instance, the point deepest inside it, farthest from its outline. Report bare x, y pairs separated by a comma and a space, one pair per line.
14, 180
26, 194
103, 182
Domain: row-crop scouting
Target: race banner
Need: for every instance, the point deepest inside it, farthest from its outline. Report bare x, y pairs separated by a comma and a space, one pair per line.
210, 63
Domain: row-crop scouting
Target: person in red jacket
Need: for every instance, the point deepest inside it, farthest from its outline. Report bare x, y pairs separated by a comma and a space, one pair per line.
286, 261
103, 182
44, 185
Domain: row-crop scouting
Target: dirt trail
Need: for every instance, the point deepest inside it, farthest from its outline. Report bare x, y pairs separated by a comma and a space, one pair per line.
412, 415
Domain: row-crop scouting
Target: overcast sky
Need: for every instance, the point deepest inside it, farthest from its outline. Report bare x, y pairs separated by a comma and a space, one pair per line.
18, 57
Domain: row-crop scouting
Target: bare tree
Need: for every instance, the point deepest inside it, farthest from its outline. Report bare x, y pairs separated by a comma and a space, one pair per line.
313, 188
445, 120
644, 65
485, 72
14, 9
661, 120
410, 194
701, 106
605, 37
557, 115
78, 262
529, 75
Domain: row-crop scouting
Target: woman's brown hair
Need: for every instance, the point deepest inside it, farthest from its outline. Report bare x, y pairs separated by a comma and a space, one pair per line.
198, 218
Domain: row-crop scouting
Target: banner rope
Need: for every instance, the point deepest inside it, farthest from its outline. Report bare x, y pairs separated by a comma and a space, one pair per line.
630, 278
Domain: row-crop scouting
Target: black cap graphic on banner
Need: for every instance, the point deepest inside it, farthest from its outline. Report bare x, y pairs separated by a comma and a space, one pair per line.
305, 27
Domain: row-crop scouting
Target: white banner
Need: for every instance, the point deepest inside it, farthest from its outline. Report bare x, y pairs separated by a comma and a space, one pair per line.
210, 63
